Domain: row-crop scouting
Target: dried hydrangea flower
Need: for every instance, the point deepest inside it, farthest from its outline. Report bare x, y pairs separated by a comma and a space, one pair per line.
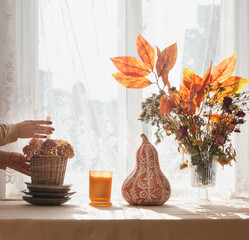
32, 148
64, 148
48, 147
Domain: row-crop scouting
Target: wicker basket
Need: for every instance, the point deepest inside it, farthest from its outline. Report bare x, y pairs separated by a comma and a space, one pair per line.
48, 169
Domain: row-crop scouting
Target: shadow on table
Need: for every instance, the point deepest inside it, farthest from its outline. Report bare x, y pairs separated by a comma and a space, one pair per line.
201, 211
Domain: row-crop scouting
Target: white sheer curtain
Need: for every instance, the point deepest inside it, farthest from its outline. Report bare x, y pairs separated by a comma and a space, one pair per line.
241, 45
17, 75
195, 26
74, 56
76, 40
89, 109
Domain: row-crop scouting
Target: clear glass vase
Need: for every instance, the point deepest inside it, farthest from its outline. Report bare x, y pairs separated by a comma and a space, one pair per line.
204, 174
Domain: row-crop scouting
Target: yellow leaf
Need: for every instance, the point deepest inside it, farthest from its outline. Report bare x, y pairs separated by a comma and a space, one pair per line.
187, 77
229, 87
233, 85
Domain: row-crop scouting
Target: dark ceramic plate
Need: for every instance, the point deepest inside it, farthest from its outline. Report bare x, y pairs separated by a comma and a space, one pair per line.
48, 194
48, 188
45, 201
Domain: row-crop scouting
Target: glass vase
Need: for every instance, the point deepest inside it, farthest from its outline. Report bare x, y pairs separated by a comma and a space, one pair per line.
203, 176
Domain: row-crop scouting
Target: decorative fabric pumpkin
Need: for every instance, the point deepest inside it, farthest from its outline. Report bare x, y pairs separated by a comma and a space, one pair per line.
146, 185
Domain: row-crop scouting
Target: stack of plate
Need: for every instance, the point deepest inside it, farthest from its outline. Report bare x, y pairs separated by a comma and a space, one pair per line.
38, 194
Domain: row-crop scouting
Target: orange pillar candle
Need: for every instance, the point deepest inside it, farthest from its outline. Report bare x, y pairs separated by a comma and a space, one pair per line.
100, 186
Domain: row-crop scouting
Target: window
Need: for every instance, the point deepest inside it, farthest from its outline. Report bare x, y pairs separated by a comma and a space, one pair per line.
88, 108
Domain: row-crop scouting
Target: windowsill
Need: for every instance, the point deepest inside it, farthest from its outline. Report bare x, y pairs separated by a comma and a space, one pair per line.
177, 220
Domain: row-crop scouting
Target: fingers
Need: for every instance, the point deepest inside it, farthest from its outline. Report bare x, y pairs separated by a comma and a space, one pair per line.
37, 136
44, 128
23, 159
19, 163
34, 128
43, 131
24, 168
24, 171
41, 122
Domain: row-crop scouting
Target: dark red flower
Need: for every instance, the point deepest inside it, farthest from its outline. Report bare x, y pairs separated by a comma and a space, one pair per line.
240, 114
182, 133
220, 140
213, 131
241, 121
227, 102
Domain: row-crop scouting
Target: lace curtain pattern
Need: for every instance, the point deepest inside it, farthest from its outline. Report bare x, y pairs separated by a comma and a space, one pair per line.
16, 83
73, 78
195, 26
241, 44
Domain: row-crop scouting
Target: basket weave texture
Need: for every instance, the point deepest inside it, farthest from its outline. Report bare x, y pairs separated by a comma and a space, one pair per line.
48, 169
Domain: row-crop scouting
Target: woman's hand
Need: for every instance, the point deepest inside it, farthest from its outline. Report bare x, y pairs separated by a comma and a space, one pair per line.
34, 129
19, 163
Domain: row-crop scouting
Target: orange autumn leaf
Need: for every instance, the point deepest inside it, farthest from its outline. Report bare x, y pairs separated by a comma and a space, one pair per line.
196, 85
230, 86
213, 117
165, 106
166, 61
187, 77
185, 94
216, 117
224, 70
187, 105
207, 76
233, 85
131, 82
203, 92
130, 66
146, 52
169, 102
183, 90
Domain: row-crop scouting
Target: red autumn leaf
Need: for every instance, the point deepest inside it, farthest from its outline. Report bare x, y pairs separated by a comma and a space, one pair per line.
130, 66
131, 82
146, 52
224, 70
187, 77
166, 61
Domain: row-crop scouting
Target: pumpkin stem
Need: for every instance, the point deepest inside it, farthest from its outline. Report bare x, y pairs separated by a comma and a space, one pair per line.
145, 139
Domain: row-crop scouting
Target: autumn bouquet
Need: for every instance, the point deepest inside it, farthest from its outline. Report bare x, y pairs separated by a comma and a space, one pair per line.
202, 113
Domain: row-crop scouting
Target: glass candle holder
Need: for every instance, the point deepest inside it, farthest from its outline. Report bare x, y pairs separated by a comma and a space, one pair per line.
100, 186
